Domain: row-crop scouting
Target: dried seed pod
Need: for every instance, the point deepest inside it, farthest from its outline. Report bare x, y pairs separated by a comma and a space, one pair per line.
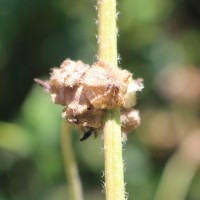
76, 101
64, 78
133, 87
91, 118
86, 92
106, 86
70, 73
130, 119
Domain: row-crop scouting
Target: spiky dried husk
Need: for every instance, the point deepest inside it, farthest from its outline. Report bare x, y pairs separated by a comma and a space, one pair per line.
87, 92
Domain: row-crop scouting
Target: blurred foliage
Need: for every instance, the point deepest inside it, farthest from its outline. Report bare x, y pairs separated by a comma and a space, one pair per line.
159, 41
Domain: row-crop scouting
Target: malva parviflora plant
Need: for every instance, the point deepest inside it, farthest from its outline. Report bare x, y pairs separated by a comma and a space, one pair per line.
99, 99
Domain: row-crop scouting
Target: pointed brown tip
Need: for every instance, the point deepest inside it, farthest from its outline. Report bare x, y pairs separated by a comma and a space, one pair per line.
44, 84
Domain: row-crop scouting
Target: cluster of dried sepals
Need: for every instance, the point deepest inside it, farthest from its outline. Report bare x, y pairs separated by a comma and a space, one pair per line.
88, 91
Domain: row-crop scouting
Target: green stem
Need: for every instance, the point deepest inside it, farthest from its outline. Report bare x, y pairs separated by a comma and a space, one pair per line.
107, 31
176, 178
70, 163
107, 51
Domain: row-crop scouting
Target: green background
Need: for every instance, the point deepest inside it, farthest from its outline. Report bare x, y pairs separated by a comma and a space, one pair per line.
158, 40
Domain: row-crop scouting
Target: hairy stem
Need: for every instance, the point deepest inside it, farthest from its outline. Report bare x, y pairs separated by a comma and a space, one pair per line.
70, 163
107, 51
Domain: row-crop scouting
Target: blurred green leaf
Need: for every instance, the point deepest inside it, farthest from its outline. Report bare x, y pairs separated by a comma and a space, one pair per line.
42, 117
91, 153
16, 138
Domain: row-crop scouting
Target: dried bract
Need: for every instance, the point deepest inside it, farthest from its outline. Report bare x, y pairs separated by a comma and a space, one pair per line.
87, 92
106, 86
133, 87
130, 119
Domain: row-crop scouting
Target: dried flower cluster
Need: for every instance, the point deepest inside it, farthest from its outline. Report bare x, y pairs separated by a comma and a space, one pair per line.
88, 91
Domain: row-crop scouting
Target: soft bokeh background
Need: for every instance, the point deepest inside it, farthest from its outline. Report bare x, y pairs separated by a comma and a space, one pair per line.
159, 41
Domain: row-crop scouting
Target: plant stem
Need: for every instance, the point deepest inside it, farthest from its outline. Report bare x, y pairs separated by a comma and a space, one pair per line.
107, 31
107, 51
70, 163
176, 178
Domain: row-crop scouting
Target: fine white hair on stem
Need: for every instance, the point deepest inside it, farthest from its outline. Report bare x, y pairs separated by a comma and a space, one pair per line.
96, 21
103, 185
119, 58
117, 15
117, 32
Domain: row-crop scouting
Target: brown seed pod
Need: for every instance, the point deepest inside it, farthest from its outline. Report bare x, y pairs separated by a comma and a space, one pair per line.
130, 119
91, 118
133, 87
106, 86
86, 92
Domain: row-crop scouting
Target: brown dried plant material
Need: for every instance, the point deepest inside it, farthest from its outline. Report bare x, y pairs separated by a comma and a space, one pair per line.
70, 73
92, 118
133, 87
64, 79
106, 86
86, 92
130, 119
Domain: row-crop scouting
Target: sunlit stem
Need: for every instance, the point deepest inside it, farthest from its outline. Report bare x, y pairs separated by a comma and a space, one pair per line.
107, 51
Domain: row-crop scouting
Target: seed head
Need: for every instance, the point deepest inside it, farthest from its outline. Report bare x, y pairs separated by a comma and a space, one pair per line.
86, 92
